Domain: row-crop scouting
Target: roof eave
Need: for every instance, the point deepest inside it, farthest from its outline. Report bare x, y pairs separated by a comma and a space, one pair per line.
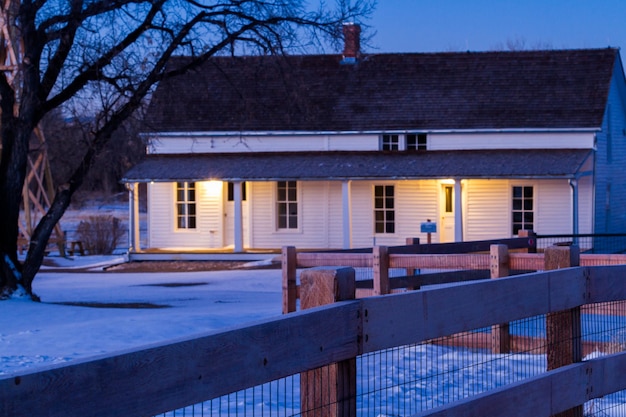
353, 178
367, 132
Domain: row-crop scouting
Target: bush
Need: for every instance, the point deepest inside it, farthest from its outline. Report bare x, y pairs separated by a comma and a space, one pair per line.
100, 234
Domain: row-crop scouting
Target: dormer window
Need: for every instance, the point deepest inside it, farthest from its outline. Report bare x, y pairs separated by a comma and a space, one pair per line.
390, 142
408, 142
416, 142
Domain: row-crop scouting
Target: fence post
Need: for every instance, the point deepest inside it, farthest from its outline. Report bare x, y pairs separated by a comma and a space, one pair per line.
289, 260
532, 239
411, 271
380, 269
329, 391
563, 328
499, 266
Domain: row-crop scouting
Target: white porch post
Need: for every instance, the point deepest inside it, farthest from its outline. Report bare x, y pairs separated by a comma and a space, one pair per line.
458, 211
238, 221
133, 217
346, 194
574, 185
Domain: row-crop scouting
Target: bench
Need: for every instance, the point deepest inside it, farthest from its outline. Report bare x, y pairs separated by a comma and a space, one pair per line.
75, 246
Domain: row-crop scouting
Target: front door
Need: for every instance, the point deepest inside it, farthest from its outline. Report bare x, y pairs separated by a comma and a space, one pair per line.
446, 224
229, 215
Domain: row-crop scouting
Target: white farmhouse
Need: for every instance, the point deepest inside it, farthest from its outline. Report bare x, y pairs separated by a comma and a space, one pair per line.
352, 150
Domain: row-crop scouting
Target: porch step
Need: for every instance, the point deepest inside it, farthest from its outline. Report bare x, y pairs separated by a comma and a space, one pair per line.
171, 256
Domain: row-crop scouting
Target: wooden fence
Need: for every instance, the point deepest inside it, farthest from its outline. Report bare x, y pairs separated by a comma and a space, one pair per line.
167, 376
461, 259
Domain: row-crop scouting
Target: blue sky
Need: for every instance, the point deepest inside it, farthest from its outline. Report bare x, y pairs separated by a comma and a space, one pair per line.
482, 25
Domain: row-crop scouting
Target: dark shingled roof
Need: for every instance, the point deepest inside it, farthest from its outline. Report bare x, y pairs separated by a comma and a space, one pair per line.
563, 163
429, 91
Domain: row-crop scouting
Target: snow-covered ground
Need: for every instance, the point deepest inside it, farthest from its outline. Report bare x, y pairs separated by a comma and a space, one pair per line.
53, 331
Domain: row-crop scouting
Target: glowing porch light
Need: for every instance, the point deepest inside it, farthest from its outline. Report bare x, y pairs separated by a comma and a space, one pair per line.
212, 188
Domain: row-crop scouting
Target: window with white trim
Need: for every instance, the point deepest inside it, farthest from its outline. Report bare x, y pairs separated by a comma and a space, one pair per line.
523, 214
408, 142
416, 142
186, 205
384, 209
390, 142
287, 204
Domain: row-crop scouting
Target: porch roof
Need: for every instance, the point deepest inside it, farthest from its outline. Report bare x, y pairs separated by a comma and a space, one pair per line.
535, 163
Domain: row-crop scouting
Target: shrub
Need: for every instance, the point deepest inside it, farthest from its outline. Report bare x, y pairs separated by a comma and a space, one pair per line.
100, 234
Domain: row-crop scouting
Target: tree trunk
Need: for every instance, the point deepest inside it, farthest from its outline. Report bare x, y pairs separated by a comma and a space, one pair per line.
12, 175
45, 227
40, 237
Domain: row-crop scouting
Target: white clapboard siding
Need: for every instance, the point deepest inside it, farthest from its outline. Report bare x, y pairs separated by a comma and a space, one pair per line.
417, 202
312, 217
353, 142
162, 220
210, 216
317, 210
181, 144
553, 207
486, 212
160, 214
487, 209
261, 143
585, 205
362, 214
510, 140
321, 214
335, 214
260, 199
317, 215
610, 157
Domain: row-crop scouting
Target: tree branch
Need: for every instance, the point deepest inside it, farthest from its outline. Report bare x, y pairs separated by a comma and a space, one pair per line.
93, 71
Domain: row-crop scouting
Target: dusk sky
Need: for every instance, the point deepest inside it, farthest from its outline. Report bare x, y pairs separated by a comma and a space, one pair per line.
483, 25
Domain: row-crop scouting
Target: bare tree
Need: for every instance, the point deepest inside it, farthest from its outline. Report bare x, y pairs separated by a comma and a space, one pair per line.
73, 51
520, 44
66, 138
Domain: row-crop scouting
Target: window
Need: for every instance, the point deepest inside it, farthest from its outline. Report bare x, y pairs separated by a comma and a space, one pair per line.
523, 215
409, 142
416, 142
384, 213
390, 142
186, 205
231, 191
287, 204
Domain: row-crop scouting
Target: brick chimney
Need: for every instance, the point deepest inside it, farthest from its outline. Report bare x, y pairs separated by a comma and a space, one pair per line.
352, 42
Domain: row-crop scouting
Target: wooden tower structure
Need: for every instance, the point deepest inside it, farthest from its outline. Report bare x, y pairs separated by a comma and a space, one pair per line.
38, 191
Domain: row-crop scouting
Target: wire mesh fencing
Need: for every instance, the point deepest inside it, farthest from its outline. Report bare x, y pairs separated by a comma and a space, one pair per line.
604, 333
405, 380
588, 243
276, 398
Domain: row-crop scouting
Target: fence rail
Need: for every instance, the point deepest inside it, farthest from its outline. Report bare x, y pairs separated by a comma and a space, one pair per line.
167, 376
464, 261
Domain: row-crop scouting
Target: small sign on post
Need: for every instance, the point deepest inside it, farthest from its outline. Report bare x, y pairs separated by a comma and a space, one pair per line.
428, 227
